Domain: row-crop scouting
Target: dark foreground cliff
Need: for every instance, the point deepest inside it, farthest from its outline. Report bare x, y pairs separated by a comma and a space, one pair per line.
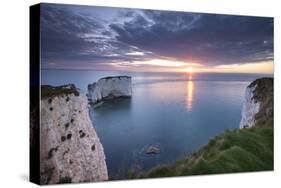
241, 150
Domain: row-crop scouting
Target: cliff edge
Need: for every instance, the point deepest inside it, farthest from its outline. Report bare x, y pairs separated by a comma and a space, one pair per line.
70, 149
258, 104
108, 88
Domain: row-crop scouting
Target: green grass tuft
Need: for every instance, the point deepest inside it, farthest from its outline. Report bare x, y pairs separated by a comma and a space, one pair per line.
52, 91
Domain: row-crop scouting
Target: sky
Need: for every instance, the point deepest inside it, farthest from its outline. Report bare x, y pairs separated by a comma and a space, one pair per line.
120, 39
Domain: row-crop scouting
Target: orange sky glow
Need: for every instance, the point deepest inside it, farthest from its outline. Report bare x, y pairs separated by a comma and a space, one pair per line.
159, 65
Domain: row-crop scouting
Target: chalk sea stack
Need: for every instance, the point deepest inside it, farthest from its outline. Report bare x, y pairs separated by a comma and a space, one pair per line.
108, 88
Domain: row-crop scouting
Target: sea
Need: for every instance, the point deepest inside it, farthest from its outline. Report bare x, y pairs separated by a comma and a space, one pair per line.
175, 112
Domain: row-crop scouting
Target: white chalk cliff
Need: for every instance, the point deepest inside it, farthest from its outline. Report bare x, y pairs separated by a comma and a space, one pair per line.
70, 149
250, 108
109, 87
258, 104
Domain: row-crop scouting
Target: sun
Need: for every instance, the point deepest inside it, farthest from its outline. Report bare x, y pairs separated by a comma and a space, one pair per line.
189, 70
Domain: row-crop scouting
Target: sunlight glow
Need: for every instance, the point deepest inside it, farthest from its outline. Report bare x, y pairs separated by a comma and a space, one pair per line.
165, 65
189, 97
156, 62
161, 65
135, 53
265, 67
189, 70
161, 62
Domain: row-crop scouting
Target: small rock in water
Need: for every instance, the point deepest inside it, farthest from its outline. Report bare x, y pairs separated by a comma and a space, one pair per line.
97, 104
152, 150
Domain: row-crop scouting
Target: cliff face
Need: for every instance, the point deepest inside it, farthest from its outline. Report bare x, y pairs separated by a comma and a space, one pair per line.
250, 108
108, 88
258, 103
70, 150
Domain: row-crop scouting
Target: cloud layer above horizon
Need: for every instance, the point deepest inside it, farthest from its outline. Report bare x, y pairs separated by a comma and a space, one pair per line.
88, 37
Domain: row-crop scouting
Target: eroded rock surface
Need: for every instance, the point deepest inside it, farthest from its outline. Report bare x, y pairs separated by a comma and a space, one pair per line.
258, 103
108, 88
152, 150
70, 149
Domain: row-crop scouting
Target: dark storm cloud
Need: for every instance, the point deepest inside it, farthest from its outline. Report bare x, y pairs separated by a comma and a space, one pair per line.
72, 35
210, 39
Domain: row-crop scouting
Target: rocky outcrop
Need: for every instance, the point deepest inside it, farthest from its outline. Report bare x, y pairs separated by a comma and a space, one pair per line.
250, 108
152, 150
258, 103
70, 149
108, 88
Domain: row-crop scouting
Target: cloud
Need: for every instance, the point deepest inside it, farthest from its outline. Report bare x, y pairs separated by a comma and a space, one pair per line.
73, 35
70, 37
204, 38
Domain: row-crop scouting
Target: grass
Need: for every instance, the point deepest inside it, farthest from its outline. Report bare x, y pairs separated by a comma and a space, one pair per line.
52, 91
110, 77
232, 151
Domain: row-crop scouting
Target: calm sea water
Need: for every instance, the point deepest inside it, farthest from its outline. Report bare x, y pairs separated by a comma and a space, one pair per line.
176, 113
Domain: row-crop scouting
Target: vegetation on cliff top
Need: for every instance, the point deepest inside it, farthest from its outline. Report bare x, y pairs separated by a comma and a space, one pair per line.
52, 91
119, 77
243, 150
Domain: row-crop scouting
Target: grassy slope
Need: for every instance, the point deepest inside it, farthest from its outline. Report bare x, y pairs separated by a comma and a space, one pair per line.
232, 151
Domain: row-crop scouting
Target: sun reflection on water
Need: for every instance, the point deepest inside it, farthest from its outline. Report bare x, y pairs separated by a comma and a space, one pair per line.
190, 90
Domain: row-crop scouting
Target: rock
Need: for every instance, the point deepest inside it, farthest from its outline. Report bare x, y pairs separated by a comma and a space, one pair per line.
109, 88
250, 108
98, 104
65, 155
258, 103
152, 150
